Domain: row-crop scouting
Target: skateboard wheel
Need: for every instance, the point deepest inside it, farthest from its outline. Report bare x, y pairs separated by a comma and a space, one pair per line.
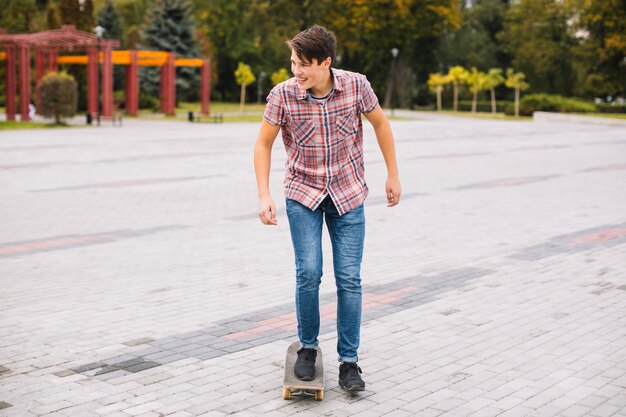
319, 395
287, 394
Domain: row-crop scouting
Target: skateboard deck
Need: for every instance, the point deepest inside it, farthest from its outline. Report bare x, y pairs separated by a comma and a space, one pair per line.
294, 386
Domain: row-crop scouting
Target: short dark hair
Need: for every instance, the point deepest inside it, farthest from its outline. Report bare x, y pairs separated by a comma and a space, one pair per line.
316, 42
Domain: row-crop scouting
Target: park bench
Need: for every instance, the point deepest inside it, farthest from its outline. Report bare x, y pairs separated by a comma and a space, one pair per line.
210, 118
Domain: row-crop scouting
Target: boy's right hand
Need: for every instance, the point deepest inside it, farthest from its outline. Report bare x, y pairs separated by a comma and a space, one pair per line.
267, 211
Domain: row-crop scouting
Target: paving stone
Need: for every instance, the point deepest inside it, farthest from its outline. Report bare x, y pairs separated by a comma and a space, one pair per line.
489, 303
140, 341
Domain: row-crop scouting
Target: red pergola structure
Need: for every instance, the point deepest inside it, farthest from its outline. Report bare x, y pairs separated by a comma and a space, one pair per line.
48, 44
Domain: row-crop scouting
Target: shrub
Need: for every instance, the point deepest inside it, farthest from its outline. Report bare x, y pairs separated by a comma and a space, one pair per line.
482, 106
146, 101
58, 96
551, 103
611, 108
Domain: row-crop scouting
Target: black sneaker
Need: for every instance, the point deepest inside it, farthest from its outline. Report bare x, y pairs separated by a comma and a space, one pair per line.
305, 364
350, 378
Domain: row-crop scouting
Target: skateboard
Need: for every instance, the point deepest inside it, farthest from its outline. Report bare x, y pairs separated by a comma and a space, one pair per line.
294, 386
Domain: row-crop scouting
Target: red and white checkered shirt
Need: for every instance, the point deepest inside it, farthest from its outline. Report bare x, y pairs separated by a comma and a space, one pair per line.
324, 141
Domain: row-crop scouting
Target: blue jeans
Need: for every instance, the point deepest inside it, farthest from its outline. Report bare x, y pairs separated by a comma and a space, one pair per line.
347, 234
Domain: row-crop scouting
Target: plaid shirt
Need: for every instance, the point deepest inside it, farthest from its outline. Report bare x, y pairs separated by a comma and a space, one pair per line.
324, 141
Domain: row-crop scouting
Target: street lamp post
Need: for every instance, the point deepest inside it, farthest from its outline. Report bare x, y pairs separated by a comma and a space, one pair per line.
259, 91
99, 33
392, 78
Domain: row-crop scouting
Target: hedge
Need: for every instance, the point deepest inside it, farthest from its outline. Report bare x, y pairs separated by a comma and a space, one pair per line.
550, 103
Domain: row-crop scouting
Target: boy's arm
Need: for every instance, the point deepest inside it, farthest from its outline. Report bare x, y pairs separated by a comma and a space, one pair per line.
262, 162
385, 141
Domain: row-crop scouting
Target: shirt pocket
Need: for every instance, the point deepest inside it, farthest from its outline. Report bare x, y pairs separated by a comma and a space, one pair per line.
304, 132
343, 146
346, 125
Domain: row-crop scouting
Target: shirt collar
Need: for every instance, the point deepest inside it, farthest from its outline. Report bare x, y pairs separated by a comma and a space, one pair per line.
337, 84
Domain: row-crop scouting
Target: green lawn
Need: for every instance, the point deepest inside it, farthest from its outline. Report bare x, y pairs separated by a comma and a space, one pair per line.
15, 125
605, 115
219, 107
482, 115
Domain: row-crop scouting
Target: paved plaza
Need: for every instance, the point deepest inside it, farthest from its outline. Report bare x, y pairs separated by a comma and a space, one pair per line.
137, 280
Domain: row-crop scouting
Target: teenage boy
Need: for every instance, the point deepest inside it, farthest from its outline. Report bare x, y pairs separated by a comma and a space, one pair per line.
319, 111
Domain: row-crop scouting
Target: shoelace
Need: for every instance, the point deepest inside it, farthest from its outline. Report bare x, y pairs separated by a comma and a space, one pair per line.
349, 366
309, 354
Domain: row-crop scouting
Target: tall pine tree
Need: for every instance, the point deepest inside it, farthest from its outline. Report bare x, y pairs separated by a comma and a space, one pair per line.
82, 18
169, 27
109, 18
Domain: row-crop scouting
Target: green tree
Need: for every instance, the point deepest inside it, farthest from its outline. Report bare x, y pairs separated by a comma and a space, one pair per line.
132, 13
109, 18
53, 18
243, 76
456, 76
169, 27
368, 31
70, 12
20, 16
477, 80
250, 31
436, 82
73, 12
494, 79
254, 31
476, 44
279, 76
516, 81
86, 22
601, 57
540, 37
57, 96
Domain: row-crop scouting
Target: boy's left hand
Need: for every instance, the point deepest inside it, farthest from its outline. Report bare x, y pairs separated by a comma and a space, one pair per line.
393, 190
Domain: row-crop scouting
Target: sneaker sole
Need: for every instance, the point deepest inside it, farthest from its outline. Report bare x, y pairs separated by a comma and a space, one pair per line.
353, 388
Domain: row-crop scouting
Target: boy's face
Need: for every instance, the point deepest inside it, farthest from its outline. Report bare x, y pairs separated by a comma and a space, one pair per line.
309, 73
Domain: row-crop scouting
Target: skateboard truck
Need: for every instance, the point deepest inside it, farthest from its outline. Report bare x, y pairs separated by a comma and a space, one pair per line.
294, 386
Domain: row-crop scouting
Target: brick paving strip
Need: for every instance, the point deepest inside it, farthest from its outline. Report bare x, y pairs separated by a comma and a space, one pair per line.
603, 236
30, 247
154, 157
507, 182
128, 183
260, 327
611, 167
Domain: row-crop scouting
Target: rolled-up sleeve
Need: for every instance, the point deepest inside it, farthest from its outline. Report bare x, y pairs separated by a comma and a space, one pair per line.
274, 111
